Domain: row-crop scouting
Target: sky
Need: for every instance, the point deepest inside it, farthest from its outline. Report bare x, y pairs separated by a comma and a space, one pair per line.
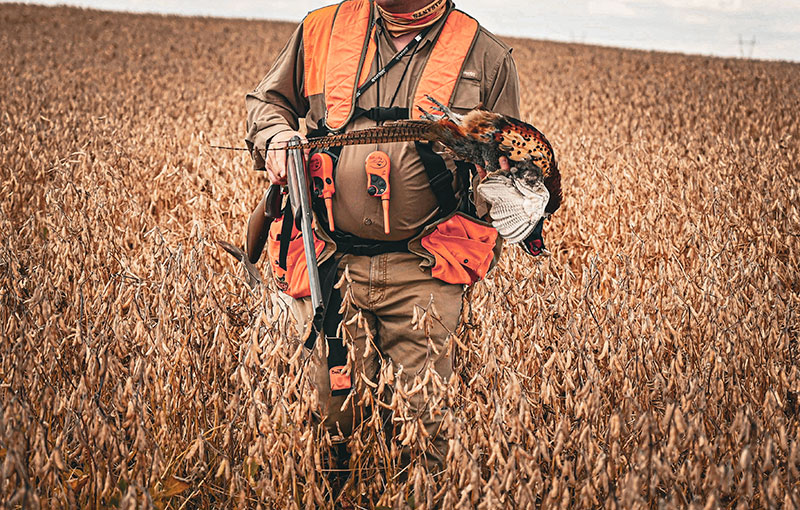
761, 29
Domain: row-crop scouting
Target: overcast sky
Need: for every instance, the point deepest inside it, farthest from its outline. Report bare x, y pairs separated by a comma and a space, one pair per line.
764, 29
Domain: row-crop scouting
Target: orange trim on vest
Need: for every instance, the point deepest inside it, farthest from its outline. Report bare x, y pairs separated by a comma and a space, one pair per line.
443, 68
345, 59
316, 38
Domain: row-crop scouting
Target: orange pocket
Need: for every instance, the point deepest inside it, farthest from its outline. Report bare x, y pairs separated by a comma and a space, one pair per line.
293, 280
463, 250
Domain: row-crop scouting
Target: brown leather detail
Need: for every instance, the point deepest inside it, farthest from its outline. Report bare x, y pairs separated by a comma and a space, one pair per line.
443, 68
316, 38
463, 250
267, 210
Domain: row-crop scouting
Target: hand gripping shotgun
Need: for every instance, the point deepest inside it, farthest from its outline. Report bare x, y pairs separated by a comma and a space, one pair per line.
269, 209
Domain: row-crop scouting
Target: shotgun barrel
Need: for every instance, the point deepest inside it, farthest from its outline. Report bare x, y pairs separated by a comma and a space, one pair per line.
300, 196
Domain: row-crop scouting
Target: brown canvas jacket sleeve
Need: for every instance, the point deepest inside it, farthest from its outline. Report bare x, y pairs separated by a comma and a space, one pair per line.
500, 89
503, 93
278, 101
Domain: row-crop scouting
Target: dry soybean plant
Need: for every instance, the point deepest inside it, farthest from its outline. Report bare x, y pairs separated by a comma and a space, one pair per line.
650, 361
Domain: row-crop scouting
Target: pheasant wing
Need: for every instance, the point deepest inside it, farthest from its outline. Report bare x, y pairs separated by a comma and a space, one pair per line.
516, 207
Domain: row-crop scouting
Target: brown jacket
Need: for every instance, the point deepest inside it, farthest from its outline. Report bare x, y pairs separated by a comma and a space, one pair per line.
488, 77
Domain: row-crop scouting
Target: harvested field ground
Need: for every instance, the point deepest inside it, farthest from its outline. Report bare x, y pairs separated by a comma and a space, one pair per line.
651, 361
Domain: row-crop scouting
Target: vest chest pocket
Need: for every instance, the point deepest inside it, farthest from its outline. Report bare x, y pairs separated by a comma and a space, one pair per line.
467, 95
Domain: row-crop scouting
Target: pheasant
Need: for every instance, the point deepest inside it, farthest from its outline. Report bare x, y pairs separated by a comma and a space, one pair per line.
519, 197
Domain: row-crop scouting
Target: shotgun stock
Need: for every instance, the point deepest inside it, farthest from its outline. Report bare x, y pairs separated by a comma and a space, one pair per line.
267, 210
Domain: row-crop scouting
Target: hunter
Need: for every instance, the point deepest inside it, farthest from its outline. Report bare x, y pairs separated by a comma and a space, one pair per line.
355, 65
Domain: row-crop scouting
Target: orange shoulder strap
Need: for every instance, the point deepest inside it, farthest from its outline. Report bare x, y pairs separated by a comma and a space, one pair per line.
338, 53
444, 65
345, 59
336, 45
316, 39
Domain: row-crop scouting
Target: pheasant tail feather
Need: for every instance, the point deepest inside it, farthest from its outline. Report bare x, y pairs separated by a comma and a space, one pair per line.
402, 131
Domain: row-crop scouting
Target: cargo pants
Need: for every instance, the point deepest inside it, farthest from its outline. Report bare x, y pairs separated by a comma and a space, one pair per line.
385, 289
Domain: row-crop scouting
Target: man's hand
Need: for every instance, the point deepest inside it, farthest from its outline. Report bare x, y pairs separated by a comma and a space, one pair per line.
533, 244
276, 159
504, 165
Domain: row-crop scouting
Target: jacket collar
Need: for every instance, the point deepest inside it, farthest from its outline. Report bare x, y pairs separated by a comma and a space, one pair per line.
429, 38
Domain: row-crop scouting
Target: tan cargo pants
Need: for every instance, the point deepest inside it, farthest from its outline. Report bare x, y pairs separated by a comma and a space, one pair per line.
386, 288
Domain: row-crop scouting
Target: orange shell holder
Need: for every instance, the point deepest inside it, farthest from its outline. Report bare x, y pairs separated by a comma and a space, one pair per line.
377, 166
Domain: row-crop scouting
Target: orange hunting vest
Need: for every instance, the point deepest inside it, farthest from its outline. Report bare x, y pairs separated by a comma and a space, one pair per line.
338, 49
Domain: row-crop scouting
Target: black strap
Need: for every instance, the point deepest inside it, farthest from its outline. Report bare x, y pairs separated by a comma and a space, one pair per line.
354, 245
319, 131
464, 173
440, 177
337, 351
285, 236
327, 279
380, 113
394, 60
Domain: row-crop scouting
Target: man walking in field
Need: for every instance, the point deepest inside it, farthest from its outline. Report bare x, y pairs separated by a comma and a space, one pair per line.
402, 218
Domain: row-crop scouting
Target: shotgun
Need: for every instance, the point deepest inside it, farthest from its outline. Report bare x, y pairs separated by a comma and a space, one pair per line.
300, 198
269, 209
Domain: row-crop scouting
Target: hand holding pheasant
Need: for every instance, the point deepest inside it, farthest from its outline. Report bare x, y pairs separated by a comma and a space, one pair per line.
519, 196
